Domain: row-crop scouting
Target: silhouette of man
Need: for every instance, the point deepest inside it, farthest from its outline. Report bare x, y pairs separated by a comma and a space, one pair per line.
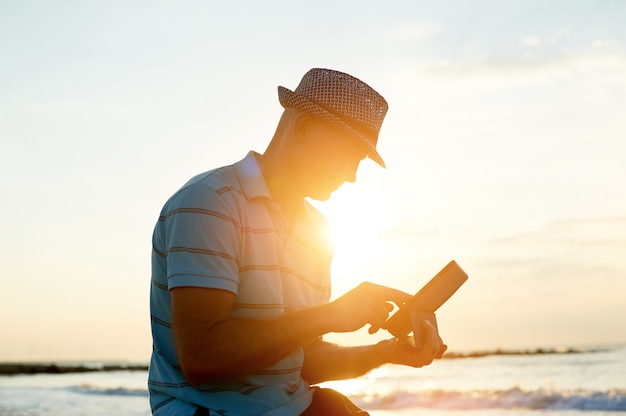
240, 294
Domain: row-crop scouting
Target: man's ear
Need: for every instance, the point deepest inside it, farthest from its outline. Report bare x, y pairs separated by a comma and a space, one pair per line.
301, 127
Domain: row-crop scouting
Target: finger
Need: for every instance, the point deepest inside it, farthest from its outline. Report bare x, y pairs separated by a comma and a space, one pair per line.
442, 351
429, 330
380, 315
438, 346
388, 294
431, 346
441, 347
433, 336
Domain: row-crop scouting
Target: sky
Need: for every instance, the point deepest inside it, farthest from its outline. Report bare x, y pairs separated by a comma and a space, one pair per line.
505, 145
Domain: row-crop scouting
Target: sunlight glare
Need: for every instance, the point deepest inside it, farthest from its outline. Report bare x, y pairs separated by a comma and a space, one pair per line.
358, 218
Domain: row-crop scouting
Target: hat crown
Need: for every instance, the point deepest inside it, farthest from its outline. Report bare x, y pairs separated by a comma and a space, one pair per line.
346, 95
343, 101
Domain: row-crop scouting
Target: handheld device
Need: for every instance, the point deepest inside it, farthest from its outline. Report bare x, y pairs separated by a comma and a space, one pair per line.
429, 298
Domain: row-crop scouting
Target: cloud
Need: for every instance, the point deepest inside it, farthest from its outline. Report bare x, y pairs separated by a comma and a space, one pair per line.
603, 62
589, 232
530, 41
413, 33
589, 221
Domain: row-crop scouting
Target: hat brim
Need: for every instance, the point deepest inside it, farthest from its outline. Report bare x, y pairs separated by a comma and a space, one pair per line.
288, 98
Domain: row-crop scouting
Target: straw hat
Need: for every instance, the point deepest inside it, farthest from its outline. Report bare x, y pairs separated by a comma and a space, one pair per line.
341, 100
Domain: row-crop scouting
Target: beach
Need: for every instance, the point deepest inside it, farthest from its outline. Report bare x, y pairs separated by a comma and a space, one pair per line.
555, 382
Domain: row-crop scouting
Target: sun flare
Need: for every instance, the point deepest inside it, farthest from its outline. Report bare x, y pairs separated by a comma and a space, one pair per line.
358, 220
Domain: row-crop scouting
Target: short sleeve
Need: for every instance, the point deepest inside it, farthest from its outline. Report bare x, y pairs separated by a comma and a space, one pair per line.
201, 240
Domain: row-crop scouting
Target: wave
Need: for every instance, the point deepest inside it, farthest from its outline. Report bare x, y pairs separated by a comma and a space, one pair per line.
108, 391
514, 398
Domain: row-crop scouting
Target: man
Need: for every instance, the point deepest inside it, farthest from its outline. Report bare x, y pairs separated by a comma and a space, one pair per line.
241, 271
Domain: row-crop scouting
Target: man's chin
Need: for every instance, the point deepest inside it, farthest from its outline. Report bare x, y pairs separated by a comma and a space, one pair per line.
323, 196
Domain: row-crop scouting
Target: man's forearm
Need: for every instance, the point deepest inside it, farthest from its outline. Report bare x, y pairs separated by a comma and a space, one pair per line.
325, 361
233, 347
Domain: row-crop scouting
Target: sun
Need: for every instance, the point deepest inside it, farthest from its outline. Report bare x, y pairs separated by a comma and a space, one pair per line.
358, 217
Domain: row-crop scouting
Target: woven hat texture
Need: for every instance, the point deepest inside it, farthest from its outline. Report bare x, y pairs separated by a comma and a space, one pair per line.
341, 100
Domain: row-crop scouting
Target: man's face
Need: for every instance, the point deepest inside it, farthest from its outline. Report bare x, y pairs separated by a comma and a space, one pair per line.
329, 158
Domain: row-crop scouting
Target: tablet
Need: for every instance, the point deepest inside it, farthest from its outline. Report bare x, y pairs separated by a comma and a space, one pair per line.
430, 297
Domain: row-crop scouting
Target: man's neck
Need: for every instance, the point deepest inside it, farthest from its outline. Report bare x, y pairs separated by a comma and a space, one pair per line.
280, 185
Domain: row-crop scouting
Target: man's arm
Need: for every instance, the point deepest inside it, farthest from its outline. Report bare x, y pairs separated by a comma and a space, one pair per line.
212, 346
325, 361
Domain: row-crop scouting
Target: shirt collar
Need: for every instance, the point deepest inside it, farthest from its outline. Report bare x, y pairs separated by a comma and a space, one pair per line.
251, 178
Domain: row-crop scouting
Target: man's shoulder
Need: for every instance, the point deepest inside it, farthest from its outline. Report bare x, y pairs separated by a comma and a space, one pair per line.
214, 179
226, 178
227, 187
204, 187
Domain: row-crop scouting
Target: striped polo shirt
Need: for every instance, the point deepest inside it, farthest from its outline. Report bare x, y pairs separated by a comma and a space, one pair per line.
222, 230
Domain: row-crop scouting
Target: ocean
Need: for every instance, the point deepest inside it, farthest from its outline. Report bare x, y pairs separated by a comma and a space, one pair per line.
581, 382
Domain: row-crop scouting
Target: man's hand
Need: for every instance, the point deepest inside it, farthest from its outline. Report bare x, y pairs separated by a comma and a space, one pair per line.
400, 351
368, 303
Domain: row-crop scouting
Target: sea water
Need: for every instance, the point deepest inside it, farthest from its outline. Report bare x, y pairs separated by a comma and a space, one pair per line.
587, 382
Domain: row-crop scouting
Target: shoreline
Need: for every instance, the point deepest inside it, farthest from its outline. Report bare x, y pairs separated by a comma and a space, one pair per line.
25, 368
530, 351
10, 369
